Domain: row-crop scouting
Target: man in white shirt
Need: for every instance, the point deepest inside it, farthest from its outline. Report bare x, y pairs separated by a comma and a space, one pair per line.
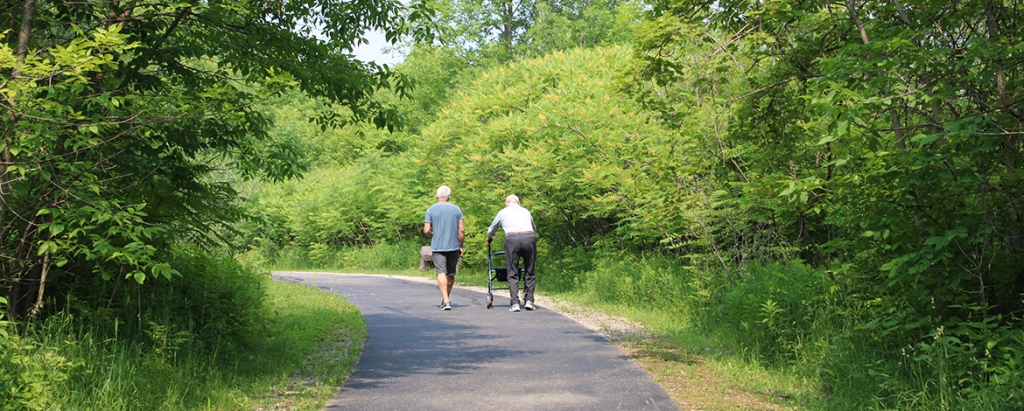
520, 241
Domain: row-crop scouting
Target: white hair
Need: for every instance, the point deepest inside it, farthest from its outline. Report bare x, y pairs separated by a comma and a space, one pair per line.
512, 199
444, 192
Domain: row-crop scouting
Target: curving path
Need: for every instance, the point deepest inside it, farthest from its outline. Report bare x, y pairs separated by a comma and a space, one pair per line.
418, 357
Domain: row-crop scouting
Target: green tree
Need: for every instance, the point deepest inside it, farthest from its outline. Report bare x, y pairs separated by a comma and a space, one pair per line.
488, 29
118, 117
883, 131
877, 140
491, 33
566, 25
555, 131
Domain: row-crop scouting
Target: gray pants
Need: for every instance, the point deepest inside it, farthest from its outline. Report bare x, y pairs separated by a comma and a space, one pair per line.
516, 246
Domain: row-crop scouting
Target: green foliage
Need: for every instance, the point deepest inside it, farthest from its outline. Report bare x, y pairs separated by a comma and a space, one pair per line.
873, 147
381, 257
790, 318
566, 140
646, 283
337, 206
554, 131
221, 299
29, 371
778, 310
215, 304
437, 72
120, 120
863, 140
973, 363
378, 258
491, 30
309, 344
488, 34
111, 335
568, 25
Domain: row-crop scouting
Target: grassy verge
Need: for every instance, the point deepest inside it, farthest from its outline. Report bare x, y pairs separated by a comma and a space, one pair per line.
698, 370
309, 344
316, 339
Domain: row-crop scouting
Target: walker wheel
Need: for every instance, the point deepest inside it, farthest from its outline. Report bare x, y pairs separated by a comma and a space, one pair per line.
490, 299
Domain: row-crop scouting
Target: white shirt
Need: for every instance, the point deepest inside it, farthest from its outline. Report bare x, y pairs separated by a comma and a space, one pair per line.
512, 219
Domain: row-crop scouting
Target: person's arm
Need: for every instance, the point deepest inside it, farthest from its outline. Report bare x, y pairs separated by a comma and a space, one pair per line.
426, 230
462, 233
493, 229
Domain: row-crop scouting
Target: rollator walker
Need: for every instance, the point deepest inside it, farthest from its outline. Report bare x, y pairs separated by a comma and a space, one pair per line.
499, 274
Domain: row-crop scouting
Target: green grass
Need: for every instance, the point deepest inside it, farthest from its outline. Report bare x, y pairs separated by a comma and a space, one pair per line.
784, 336
310, 343
676, 339
402, 258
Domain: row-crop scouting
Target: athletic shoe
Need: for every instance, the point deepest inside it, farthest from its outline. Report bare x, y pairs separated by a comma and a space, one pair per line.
446, 305
514, 308
529, 306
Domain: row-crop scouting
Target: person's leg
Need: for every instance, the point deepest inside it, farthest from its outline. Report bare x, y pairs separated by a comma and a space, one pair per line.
451, 265
444, 285
441, 267
529, 253
512, 267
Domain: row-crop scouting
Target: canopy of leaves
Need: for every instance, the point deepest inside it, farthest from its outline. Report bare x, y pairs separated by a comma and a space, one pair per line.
490, 33
879, 140
118, 118
557, 131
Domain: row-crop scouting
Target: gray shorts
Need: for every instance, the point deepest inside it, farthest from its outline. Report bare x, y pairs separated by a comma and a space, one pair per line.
446, 262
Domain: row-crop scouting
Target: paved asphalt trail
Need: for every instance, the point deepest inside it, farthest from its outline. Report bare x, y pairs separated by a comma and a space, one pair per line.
418, 357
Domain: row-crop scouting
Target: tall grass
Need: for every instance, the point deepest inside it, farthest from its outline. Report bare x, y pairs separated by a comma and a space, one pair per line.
173, 372
793, 324
381, 258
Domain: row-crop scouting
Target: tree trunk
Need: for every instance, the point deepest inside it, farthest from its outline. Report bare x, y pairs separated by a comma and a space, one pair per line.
28, 15
14, 271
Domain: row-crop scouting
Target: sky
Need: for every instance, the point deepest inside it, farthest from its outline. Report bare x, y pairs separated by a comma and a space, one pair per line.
372, 50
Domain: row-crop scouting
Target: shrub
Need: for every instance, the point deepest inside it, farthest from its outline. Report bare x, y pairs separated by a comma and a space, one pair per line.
215, 300
220, 298
382, 256
28, 370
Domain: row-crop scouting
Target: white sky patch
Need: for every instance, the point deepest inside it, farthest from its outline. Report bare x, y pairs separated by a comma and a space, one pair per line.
372, 51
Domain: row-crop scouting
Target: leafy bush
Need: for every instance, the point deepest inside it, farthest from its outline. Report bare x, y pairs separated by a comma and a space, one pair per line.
29, 371
776, 308
793, 317
215, 301
221, 299
310, 344
973, 363
384, 256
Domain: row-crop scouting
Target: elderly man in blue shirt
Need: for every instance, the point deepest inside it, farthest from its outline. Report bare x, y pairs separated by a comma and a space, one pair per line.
520, 241
445, 225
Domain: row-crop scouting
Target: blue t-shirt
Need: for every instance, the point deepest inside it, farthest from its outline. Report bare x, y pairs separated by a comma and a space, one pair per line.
444, 222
